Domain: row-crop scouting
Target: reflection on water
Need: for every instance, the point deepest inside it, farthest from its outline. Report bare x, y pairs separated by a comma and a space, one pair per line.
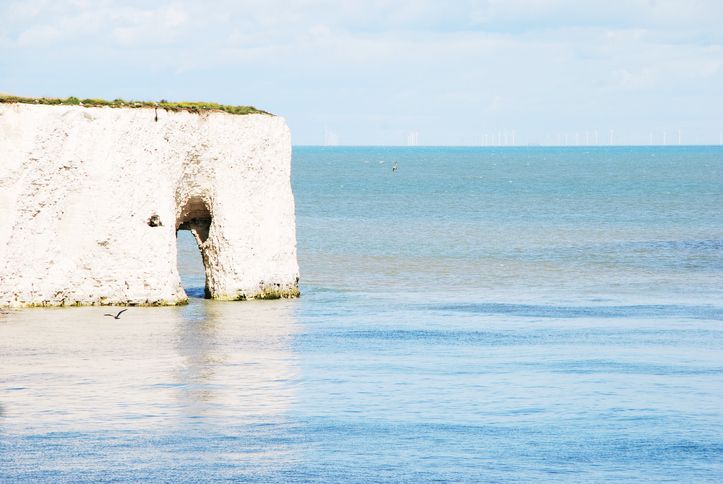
192, 370
183, 363
235, 359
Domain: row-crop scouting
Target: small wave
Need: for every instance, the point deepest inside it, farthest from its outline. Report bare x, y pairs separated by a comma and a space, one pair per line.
551, 311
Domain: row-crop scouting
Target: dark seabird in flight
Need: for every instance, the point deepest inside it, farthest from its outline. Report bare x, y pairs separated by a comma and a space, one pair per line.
117, 316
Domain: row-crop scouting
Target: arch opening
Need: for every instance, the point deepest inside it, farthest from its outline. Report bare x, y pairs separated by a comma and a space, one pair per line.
190, 265
194, 217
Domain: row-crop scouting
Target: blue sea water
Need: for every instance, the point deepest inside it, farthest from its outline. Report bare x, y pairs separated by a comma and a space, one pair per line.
480, 314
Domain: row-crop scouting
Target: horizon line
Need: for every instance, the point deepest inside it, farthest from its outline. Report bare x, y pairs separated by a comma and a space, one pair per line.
509, 146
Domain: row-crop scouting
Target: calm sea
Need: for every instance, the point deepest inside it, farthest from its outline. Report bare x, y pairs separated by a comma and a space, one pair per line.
478, 314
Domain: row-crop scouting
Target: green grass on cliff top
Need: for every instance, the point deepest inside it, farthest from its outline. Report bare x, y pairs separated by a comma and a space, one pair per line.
193, 107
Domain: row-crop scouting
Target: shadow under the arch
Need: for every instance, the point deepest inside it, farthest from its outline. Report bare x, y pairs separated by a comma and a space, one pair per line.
195, 292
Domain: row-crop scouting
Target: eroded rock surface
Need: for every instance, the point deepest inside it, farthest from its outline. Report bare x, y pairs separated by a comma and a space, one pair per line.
91, 199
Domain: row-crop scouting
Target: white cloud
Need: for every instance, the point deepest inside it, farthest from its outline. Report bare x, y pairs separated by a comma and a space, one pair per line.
38, 36
149, 26
493, 61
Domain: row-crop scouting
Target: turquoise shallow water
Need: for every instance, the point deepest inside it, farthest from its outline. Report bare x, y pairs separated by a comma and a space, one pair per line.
477, 315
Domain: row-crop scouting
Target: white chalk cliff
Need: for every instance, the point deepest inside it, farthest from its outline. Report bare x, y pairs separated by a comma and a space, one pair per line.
91, 199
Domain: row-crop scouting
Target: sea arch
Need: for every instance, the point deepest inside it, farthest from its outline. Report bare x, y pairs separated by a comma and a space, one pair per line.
93, 198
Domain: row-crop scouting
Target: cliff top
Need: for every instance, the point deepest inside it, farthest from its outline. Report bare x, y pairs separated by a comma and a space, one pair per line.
193, 107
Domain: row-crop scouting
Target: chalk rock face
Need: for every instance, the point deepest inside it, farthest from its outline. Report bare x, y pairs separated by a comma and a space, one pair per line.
91, 199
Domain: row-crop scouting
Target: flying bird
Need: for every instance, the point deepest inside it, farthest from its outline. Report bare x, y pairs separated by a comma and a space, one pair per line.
117, 316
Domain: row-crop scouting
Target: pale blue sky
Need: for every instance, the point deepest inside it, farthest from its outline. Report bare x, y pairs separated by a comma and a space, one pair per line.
372, 72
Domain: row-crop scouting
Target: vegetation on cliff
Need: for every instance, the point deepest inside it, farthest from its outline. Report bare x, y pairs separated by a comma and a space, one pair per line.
193, 107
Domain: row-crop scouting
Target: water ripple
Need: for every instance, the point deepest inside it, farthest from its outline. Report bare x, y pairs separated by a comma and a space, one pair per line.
552, 311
